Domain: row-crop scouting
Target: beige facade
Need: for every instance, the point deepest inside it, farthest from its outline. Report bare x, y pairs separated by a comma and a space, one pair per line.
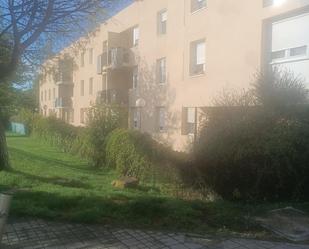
163, 59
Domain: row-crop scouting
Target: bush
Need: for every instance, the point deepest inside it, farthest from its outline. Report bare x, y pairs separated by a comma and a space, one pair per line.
129, 152
135, 154
250, 153
56, 132
103, 120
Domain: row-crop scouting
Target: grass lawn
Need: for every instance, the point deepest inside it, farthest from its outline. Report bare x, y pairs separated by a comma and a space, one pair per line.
54, 185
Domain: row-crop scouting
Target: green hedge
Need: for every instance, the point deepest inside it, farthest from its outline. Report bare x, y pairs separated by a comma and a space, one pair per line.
132, 153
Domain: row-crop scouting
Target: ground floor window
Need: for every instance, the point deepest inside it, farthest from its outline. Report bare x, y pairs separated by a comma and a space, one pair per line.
83, 115
160, 118
136, 118
189, 117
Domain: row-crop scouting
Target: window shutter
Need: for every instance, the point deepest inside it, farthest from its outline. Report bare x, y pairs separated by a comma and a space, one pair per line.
184, 121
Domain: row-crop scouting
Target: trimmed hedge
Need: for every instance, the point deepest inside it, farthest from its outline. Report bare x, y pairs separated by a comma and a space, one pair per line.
132, 153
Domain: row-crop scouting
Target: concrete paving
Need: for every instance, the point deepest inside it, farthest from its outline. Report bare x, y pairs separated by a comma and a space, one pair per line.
39, 234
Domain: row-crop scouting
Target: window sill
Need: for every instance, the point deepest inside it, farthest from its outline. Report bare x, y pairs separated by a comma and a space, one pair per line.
197, 75
198, 10
289, 60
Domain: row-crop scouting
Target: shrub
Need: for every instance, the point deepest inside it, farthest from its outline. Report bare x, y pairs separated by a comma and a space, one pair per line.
250, 153
256, 144
103, 120
56, 132
135, 154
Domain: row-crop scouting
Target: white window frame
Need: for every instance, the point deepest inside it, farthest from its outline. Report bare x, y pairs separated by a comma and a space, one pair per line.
136, 35
135, 78
161, 118
161, 71
82, 88
82, 59
191, 119
90, 56
194, 5
198, 57
162, 22
136, 118
91, 86
287, 55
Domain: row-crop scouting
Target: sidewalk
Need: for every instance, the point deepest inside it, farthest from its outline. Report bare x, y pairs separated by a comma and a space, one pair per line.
39, 234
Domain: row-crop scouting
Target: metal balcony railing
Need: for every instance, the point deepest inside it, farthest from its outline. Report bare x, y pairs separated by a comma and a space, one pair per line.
115, 58
113, 96
63, 102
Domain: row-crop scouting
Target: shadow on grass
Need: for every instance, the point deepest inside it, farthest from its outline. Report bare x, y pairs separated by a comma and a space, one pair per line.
51, 161
146, 211
64, 182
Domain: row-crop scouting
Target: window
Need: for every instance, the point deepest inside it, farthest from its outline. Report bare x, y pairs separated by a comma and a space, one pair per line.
189, 117
72, 116
162, 22
82, 88
91, 56
54, 93
135, 36
135, 77
197, 4
267, 3
82, 116
105, 46
136, 118
278, 54
191, 120
161, 71
104, 82
42, 95
90, 86
49, 94
198, 57
288, 54
45, 93
82, 59
299, 51
160, 118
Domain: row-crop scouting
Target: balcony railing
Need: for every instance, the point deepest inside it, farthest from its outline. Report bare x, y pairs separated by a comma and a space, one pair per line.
115, 58
63, 102
113, 96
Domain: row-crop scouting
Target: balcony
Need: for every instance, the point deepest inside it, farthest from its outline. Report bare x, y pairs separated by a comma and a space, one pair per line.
63, 102
113, 96
115, 58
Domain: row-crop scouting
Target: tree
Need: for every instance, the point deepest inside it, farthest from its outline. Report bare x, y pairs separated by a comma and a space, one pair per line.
25, 26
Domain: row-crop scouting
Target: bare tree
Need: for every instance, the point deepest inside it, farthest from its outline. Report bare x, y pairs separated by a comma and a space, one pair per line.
25, 26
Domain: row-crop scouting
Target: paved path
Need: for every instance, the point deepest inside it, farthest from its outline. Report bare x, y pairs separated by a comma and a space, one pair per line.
38, 234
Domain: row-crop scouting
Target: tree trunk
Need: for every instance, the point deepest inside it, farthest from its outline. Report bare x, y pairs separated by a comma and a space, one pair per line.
4, 156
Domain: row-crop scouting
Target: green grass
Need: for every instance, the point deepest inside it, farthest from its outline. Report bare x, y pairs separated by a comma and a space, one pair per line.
53, 185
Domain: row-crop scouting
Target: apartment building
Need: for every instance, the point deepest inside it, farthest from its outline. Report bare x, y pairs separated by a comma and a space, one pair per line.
166, 59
